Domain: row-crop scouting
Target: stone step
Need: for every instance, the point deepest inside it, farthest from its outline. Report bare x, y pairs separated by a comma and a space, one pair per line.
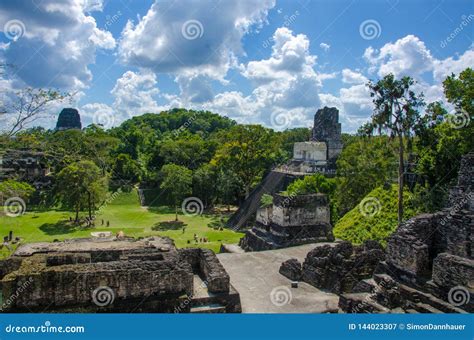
360, 303
425, 308
365, 286
416, 296
429, 299
212, 308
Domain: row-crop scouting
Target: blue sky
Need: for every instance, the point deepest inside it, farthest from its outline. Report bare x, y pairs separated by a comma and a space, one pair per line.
256, 61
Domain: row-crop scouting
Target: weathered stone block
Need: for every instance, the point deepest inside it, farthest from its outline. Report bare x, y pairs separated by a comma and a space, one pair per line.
291, 269
451, 270
340, 267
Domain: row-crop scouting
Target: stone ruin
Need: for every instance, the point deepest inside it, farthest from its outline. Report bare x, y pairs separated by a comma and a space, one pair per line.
90, 275
290, 221
68, 118
429, 265
316, 156
319, 154
27, 166
336, 267
327, 129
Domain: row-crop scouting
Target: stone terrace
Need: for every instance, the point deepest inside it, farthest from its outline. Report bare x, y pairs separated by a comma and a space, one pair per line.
128, 275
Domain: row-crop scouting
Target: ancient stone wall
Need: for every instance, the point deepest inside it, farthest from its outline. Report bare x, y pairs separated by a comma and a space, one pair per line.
339, 267
148, 275
300, 210
328, 129
69, 118
291, 221
310, 151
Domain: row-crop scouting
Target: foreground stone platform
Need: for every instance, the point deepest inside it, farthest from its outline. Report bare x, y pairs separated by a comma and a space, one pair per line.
255, 275
115, 275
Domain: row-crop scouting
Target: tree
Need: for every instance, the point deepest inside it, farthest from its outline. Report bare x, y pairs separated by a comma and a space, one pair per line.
12, 188
125, 168
247, 151
441, 143
460, 90
177, 181
313, 184
204, 184
188, 150
28, 105
396, 113
228, 186
363, 165
81, 185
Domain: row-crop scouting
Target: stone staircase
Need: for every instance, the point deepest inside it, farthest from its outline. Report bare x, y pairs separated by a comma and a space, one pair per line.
202, 301
269, 185
380, 297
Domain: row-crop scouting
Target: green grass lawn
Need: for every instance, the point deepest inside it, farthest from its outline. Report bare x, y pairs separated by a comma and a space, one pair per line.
124, 214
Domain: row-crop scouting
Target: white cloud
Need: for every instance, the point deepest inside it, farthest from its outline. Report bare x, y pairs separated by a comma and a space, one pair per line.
290, 55
407, 56
194, 89
287, 86
352, 77
325, 46
58, 43
160, 40
135, 94
98, 113
444, 68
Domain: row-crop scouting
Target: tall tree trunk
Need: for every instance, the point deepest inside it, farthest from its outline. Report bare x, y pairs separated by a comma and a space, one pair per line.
77, 214
90, 205
176, 212
401, 171
247, 191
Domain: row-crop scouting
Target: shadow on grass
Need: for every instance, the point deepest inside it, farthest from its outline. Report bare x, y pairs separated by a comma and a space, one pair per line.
163, 209
168, 225
217, 222
58, 228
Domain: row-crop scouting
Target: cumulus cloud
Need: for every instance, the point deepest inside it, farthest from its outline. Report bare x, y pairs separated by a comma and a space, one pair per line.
352, 77
444, 68
410, 56
99, 114
135, 93
58, 43
191, 37
407, 56
287, 85
194, 89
